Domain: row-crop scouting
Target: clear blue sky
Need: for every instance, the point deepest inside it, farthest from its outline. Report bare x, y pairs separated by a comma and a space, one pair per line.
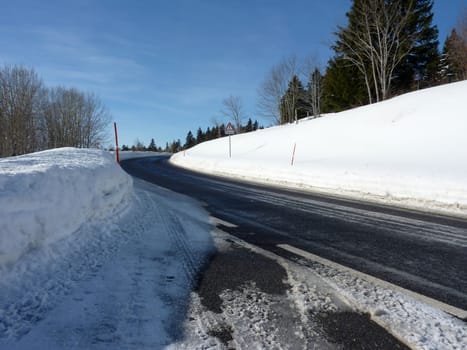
163, 67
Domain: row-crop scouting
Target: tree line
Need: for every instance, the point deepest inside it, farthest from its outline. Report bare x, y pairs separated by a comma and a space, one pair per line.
34, 117
388, 47
210, 133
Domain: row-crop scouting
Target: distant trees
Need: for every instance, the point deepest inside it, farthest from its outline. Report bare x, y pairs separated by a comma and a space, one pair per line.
21, 111
190, 141
138, 146
74, 119
233, 110
294, 104
282, 96
454, 57
315, 92
214, 132
152, 146
274, 87
34, 118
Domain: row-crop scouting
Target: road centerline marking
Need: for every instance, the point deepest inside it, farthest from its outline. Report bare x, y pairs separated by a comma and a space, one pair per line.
217, 221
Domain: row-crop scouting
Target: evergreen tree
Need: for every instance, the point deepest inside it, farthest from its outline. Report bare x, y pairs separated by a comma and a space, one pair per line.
454, 58
190, 140
199, 136
343, 87
294, 104
249, 125
392, 43
255, 125
152, 146
215, 131
175, 146
419, 69
208, 134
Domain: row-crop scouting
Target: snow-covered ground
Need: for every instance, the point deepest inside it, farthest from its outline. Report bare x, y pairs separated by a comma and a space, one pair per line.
48, 195
409, 151
95, 260
314, 290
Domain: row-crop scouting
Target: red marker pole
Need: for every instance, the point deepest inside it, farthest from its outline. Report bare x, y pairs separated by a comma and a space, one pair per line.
116, 143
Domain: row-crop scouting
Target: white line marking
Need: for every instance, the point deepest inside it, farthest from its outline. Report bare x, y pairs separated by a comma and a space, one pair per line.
217, 221
462, 314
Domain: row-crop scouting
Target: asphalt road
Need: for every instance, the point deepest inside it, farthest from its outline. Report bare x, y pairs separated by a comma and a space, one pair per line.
421, 252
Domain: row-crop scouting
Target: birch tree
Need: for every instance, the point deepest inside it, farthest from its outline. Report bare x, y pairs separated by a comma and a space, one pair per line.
376, 41
315, 92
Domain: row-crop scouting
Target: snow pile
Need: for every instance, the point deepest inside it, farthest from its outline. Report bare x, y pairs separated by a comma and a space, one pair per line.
48, 195
409, 151
118, 283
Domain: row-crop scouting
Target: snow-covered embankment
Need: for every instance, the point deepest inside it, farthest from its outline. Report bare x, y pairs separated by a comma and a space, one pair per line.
48, 195
409, 151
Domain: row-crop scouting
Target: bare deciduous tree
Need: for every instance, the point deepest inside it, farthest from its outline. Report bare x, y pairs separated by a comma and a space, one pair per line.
315, 92
20, 110
274, 88
33, 118
379, 43
217, 124
233, 109
75, 119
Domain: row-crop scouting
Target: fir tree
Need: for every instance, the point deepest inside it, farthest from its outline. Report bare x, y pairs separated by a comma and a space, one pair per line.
249, 125
190, 140
294, 104
255, 125
454, 58
208, 134
152, 146
200, 136
419, 69
175, 146
343, 87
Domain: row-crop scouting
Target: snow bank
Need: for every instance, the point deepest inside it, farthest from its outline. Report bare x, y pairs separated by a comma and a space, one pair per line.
409, 151
48, 195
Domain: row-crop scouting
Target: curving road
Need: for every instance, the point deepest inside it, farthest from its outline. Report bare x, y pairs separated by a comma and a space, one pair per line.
420, 252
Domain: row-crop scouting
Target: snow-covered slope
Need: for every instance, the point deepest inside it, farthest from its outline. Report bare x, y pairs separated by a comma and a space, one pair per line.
48, 195
410, 151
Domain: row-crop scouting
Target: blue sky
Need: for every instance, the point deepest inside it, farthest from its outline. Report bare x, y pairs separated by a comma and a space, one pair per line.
163, 67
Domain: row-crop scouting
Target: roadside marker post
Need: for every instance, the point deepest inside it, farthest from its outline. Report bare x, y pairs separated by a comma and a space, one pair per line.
293, 154
116, 143
230, 130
